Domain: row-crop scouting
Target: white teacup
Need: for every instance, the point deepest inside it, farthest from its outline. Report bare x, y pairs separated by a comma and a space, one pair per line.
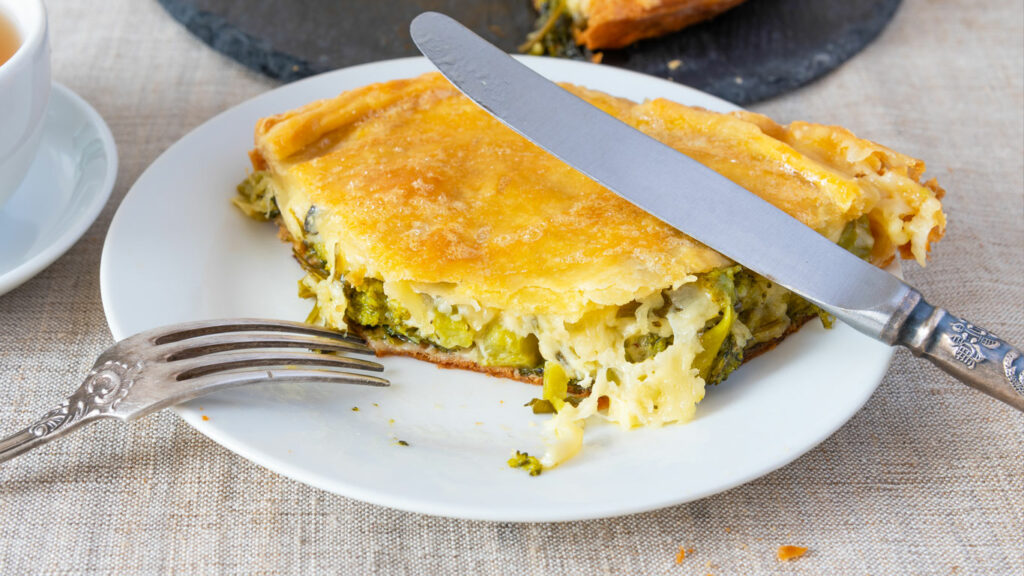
24, 92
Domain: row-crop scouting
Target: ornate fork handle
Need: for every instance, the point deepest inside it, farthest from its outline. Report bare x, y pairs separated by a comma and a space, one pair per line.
972, 354
159, 368
99, 396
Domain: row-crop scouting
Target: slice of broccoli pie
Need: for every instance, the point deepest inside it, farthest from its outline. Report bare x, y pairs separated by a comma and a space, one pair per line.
434, 231
563, 26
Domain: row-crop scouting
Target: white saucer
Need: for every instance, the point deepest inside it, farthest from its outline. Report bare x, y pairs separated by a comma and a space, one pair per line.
65, 189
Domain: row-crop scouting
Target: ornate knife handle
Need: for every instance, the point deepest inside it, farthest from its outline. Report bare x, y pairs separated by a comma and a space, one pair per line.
972, 354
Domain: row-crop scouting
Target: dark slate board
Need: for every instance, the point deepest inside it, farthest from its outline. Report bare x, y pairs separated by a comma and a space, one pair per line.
758, 50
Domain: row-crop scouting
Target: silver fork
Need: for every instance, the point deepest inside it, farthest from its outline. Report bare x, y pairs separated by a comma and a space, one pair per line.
152, 370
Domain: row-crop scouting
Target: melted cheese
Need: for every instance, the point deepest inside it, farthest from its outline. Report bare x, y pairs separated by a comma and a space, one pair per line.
663, 389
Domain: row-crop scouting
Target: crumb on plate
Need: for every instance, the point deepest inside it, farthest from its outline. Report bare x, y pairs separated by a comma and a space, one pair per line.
529, 463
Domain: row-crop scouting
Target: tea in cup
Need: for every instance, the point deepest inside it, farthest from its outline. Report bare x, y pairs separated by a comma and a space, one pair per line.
24, 88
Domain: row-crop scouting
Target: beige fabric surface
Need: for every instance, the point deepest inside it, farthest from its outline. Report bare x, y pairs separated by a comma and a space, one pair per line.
928, 478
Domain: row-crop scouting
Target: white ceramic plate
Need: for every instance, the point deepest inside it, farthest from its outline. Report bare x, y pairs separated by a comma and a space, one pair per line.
65, 189
178, 250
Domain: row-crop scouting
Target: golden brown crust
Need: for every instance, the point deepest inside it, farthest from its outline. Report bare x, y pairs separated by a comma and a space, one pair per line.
617, 23
419, 185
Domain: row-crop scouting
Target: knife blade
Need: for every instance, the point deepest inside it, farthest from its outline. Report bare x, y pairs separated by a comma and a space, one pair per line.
716, 211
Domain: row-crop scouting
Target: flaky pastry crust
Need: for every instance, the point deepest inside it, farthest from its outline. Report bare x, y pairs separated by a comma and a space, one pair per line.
618, 23
418, 184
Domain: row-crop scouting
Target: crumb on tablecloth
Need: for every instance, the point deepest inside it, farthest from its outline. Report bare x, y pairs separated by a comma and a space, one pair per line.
683, 553
787, 553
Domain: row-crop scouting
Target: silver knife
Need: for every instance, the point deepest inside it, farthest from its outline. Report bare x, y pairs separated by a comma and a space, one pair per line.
697, 200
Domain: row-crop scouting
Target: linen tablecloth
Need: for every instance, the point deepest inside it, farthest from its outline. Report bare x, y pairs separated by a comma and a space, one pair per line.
928, 478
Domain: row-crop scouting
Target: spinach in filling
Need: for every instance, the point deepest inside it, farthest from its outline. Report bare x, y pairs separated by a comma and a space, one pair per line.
857, 238
554, 33
370, 308
644, 346
766, 309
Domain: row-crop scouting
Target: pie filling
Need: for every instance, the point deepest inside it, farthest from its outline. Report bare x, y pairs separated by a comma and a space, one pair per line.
553, 34
640, 364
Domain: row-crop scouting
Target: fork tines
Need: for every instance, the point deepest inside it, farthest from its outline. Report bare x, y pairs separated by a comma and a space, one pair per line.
238, 352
